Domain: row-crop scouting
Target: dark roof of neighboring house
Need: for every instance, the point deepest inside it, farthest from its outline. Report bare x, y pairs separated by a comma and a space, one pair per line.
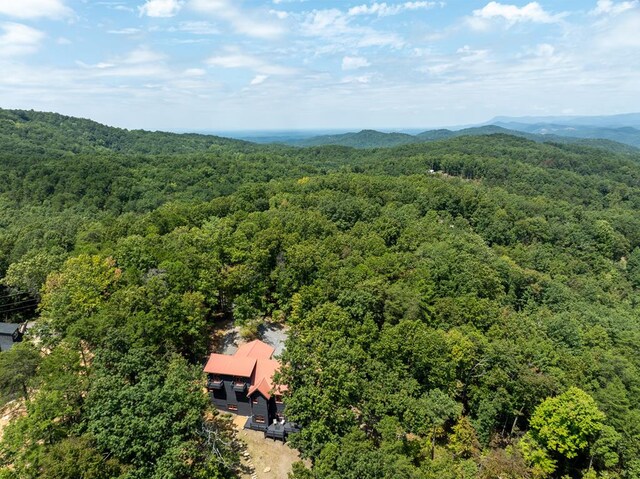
8, 328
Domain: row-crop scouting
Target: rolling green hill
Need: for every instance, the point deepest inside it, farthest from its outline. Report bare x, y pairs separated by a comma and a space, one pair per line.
361, 139
32, 133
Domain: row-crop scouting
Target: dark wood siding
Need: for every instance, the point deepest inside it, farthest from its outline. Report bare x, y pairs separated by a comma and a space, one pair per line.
227, 399
219, 398
260, 406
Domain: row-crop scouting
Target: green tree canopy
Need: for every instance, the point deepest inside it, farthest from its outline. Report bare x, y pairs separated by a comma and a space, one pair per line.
567, 423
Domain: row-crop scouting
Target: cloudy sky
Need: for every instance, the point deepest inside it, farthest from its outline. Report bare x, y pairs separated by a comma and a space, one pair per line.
314, 64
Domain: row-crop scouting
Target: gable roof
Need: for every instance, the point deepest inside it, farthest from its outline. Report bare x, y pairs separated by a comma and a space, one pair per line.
263, 386
230, 365
251, 360
262, 379
255, 349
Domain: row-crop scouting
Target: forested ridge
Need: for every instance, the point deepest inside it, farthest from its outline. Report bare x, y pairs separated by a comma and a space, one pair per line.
477, 321
627, 142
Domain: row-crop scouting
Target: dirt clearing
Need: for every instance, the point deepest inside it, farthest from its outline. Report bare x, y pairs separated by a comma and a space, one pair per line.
10, 411
275, 457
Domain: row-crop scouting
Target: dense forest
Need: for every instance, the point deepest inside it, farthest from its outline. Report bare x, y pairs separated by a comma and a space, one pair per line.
460, 308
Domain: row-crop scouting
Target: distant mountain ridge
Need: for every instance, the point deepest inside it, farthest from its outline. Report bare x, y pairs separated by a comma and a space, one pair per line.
31, 133
361, 139
626, 134
602, 121
378, 139
624, 140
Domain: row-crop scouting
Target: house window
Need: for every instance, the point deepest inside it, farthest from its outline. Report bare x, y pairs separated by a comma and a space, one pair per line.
278, 399
232, 407
254, 400
259, 419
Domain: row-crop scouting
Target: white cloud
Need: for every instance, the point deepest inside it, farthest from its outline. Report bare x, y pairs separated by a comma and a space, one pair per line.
438, 68
332, 24
26, 9
512, 14
124, 31
142, 55
471, 55
195, 72
609, 7
384, 9
353, 63
281, 14
198, 28
372, 38
359, 79
160, 8
17, 39
246, 22
141, 62
123, 8
258, 79
621, 33
249, 62
320, 22
99, 66
544, 50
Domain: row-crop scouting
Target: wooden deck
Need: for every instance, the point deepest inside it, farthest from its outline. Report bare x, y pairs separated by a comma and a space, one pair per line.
273, 431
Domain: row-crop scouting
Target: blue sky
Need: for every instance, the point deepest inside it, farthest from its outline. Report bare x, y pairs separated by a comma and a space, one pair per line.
310, 64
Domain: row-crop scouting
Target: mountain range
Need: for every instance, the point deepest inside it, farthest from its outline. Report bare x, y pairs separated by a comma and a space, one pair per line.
20, 130
602, 121
624, 139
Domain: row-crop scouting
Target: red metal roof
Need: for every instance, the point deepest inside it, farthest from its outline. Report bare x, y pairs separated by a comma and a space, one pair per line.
255, 349
262, 379
252, 360
231, 365
263, 386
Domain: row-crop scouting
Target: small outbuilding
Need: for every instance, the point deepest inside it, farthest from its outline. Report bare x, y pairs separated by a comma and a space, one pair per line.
10, 333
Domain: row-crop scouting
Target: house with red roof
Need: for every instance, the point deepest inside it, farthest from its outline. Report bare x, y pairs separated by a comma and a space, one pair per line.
243, 384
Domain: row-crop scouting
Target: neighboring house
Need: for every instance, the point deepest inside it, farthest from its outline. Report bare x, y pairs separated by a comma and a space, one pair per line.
10, 333
243, 384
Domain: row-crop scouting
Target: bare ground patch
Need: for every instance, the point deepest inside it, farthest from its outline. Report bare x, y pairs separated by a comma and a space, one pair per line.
226, 337
10, 411
264, 454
